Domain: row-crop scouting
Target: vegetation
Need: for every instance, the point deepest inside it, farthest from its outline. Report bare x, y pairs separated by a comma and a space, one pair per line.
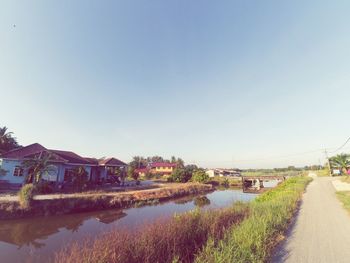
180, 175
80, 178
344, 197
180, 237
26, 195
200, 176
341, 162
7, 141
254, 238
37, 167
225, 181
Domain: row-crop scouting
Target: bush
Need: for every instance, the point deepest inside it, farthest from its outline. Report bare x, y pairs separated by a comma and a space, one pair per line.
179, 175
200, 176
44, 188
26, 195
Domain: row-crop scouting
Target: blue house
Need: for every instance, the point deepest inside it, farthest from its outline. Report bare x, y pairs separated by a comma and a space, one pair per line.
62, 164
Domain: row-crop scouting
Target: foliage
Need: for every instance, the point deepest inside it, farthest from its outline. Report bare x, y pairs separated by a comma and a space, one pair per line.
26, 195
38, 166
200, 176
254, 238
44, 188
340, 161
79, 178
7, 141
180, 175
179, 237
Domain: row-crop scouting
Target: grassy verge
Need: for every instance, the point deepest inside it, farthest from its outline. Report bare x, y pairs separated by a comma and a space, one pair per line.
241, 233
178, 238
254, 238
344, 197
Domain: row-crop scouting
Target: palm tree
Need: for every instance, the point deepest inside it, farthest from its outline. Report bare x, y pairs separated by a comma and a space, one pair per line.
7, 142
340, 161
38, 166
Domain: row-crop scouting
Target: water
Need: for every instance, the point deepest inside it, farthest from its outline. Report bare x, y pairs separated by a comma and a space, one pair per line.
36, 239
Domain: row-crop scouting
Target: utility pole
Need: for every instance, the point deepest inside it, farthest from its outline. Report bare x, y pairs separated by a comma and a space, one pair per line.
328, 163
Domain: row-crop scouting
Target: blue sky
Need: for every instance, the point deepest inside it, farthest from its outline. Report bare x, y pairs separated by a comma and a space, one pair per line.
218, 83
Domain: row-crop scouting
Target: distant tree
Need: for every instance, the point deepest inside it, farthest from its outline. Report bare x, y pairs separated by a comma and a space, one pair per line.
7, 141
340, 161
138, 162
200, 176
179, 175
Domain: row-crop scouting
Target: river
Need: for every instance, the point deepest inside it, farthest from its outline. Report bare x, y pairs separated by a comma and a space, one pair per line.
37, 239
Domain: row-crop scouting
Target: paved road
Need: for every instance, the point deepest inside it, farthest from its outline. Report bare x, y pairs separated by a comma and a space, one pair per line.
321, 231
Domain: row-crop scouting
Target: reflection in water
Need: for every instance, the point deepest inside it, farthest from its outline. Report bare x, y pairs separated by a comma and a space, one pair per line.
201, 201
38, 239
29, 231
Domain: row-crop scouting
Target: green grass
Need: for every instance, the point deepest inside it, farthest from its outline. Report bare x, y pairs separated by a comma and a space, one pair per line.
254, 238
344, 197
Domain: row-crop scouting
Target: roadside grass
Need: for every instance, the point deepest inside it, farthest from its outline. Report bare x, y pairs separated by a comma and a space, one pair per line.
244, 232
345, 179
179, 237
344, 197
254, 239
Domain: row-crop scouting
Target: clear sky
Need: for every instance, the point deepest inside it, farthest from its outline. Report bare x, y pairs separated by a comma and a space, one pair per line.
218, 83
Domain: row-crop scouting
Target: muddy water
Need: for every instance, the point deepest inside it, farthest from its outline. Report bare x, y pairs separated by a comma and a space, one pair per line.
37, 239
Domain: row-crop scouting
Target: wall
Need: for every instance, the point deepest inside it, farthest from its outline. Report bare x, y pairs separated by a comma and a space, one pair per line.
9, 166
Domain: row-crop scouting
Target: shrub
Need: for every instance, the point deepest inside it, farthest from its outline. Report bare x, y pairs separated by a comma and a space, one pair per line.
200, 176
26, 195
44, 188
180, 237
179, 175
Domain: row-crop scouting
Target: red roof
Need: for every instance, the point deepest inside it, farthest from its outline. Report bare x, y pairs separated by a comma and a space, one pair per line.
71, 157
31, 151
35, 149
163, 164
111, 162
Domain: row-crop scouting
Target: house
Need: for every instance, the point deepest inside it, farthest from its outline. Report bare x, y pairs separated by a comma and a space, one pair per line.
62, 164
161, 168
223, 172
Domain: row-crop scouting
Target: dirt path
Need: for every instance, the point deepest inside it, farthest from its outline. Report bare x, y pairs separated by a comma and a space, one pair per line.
321, 231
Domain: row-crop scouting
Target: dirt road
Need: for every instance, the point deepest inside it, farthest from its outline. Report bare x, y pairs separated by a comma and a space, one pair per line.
321, 231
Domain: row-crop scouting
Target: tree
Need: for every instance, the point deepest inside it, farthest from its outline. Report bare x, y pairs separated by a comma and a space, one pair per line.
340, 161
79, 178
180, 175
200, 176
7, 141
138, 162
37, 166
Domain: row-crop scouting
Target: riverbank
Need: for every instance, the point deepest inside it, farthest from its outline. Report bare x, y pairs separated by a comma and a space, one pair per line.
77, 203
241, 233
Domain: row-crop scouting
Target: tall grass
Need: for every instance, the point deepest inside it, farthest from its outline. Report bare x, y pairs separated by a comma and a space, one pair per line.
180, 237
254, 238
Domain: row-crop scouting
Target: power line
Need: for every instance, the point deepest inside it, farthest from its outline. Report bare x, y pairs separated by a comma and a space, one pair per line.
341, 146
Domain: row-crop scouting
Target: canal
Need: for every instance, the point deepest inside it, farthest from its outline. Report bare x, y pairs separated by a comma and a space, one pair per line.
37, 239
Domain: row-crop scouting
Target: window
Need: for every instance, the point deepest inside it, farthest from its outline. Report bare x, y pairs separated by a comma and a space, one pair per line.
18, 171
